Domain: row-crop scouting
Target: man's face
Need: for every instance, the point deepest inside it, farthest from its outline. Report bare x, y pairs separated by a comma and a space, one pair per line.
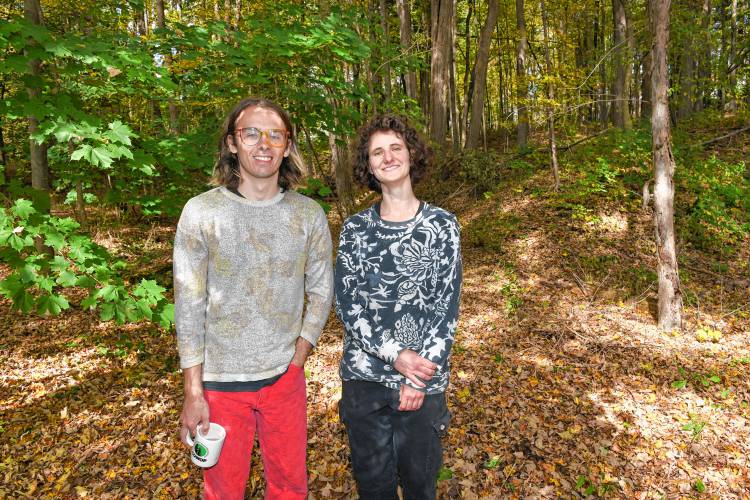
389, 158
263, 159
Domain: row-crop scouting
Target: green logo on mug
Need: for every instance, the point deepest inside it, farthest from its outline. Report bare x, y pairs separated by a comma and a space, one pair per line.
200, 450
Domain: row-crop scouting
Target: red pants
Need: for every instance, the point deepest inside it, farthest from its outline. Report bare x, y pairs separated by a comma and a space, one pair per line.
279, 413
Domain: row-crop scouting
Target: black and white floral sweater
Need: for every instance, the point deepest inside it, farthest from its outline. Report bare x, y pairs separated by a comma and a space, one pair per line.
397, 287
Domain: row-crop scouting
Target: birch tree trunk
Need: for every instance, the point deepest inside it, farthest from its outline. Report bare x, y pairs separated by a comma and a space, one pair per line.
670, 295
480, 74
441, 35
522, 90
404, 16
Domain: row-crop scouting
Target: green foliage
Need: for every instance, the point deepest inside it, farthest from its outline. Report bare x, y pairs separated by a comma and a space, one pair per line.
38, 278
492, 231
589, 487
719, 213
695, 425
699, 380
317, 190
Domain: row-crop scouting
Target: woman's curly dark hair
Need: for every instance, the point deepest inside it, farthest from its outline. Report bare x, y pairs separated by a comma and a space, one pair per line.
226, 170
420, 153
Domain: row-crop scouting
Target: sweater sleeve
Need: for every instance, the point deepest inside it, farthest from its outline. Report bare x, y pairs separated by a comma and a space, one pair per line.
351, 300
190, 269
442, 324
318, 279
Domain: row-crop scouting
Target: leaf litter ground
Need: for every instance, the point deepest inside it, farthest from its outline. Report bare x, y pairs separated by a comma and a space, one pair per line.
561, 387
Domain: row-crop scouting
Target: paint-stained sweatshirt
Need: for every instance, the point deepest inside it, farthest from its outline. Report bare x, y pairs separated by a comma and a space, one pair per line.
242, 270
397, 287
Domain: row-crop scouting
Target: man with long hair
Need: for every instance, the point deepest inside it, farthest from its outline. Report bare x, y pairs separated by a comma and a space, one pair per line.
397, 285
246, 255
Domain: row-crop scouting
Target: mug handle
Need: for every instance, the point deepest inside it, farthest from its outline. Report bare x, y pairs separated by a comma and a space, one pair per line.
189, 438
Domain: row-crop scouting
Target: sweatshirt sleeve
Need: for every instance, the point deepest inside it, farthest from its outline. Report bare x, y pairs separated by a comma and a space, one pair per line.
351, 299
190, 268
318, 279
442, 324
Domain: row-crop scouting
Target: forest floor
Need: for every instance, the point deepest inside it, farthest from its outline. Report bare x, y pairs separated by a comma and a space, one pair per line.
561, 383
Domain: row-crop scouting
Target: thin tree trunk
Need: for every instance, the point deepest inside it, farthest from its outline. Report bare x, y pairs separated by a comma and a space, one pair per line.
704, 64
386, 64
7, 174
551, 96
480, 74
342, 168
620, 114
39, 165
468, 81
441, 22
604, 97
732, 103
522, 90
174, 112
454, 115
687, 80
404, 16
670, 295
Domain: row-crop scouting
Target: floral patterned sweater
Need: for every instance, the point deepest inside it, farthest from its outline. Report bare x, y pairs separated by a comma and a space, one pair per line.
397, 287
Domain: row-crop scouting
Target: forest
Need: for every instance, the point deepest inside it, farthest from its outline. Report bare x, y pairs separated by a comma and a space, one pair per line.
594, 153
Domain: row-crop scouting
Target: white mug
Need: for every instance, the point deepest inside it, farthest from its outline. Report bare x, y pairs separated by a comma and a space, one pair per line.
206, 448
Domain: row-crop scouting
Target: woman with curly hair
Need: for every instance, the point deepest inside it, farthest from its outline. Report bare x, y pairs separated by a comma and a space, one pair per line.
397, 287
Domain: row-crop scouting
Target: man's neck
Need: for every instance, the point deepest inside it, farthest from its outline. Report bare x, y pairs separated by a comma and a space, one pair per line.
259, 189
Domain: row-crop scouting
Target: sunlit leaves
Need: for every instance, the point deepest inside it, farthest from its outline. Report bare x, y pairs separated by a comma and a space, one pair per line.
38, 277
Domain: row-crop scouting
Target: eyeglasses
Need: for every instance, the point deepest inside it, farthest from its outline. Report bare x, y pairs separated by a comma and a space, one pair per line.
250, 136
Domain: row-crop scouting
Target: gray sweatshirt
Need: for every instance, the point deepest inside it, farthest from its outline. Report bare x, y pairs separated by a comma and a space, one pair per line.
242, 269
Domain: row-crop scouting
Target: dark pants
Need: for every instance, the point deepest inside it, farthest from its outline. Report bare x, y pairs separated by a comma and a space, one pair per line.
388, 445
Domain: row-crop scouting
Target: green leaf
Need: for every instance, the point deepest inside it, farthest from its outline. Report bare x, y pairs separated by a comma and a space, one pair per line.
52, 304
109, 293
492, 463
90, 301
66, 279
120, 132
23, 208
679, 384
699, 486
581, 481
149, 290
166, 317
107, 311
445, 473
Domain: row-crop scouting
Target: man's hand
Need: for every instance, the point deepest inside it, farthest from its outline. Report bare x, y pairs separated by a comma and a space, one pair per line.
194, 413
414, 367
410, 399
302, 350
195, 407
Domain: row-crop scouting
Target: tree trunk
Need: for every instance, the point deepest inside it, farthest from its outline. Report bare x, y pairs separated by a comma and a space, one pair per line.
551, 96
732, 102
603, 95
441, 22
386, 64
687, 81
704, 64
39, 166
343, 171
480, 74
670, 295
174, 112
522, 90
404, 16
454, 114
620, 113
468, 80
